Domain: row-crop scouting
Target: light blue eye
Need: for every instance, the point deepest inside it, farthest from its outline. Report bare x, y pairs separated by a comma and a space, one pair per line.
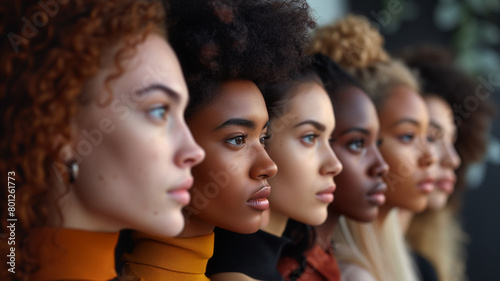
310, 139
407, 137
159, 112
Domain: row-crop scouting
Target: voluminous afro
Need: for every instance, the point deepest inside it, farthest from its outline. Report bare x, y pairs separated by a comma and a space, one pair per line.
358, 48
220, 40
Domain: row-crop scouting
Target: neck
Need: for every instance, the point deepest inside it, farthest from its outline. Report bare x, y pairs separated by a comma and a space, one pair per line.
276, 225
324, 232
383, 211
195, 227
405, 218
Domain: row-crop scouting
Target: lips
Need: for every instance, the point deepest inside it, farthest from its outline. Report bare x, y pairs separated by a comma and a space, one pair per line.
326, 195
376, 196
426, 186
259, 201
181, 192
446, 185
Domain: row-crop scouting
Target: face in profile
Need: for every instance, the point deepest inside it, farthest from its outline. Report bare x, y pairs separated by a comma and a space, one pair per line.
231, 185
404, 122
300, 146
360, 187
136, 152
442, 134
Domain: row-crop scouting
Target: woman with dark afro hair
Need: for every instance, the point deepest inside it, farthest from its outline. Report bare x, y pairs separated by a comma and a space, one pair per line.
436, 234
226, 48
95, 140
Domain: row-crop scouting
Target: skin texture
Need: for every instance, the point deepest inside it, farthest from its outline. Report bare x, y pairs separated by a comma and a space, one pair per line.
306, 162
236, 166
443, 135
404, 122
135, 151
355, 142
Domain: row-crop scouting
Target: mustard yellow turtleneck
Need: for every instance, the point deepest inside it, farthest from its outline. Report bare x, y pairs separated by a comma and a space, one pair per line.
72, 254
180, 259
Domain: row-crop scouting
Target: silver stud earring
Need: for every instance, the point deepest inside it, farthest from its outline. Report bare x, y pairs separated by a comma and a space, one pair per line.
73, 169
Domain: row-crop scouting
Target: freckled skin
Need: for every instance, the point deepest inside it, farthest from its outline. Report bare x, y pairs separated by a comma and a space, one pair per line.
134, 131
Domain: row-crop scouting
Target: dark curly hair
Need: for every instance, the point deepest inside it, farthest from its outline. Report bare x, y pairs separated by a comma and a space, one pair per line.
47, 55
334, 77
220, 40
438, 76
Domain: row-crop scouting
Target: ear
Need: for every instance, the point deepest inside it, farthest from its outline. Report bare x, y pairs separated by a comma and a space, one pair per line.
65, 147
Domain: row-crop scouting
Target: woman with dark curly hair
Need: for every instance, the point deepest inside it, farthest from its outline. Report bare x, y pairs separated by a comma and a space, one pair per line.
92, 104
226, 48
301, 122
436, 234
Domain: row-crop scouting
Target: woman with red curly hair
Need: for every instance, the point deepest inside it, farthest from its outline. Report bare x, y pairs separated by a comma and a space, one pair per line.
93, 102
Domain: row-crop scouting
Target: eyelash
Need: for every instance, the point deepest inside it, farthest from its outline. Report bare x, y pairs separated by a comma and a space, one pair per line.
379, 142
313, 136
265, 138
359, 145
164, 108
411, 136
240, 137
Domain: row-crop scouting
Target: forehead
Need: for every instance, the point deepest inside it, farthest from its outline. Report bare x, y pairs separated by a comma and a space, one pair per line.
403, 102
310, 101
236, 99
354, 108
439, 110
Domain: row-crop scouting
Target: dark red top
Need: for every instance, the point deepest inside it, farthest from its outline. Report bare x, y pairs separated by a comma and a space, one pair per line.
320, 265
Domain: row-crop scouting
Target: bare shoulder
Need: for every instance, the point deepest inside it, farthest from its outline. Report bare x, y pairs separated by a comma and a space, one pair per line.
353, 272
231, 276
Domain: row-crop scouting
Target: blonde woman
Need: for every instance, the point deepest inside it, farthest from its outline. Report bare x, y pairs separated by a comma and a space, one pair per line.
376, 251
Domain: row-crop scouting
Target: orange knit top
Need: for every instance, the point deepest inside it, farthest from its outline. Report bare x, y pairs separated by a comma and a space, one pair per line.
160, 258
72, 254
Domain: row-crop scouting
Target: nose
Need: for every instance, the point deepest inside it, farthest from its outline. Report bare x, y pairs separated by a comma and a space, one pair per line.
263, 166
427, 156
331, 165
451, 158
379, 168
189, 153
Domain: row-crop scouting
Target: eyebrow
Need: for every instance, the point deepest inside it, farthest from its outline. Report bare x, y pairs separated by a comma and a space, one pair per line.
356, 129
316, 124
436, 125
160, 87
239, 122
407, 120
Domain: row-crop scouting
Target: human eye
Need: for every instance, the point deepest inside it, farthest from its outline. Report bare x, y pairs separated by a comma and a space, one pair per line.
158, 112
263, 139
310, 139
356, 145
237, 141
379, 142
406, 138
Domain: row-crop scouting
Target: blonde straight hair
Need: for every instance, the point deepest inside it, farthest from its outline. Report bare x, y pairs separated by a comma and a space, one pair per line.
378, 247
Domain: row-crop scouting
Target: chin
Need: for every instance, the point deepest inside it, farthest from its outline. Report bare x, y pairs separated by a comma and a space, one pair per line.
437, 202
316, 219
243, 228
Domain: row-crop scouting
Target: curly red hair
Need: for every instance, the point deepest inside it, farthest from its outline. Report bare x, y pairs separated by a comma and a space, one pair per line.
47, 56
